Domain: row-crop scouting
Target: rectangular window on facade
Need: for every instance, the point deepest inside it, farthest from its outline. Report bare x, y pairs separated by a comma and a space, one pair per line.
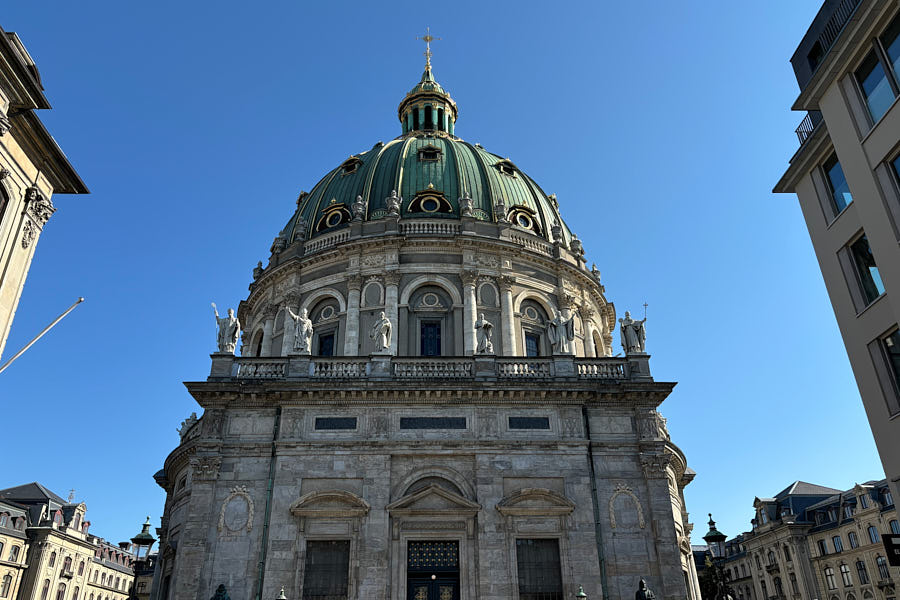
875, 86
540, 575
838, 544
885, 354
888, 499
432, 422
854, 540
333, 423
829, 578
873, 534
864, 501
862, 573
532, 345
895, 526
866, 271
326, 571
823, 547
846, 578
529, 423
890, 41
837, 185
326, 345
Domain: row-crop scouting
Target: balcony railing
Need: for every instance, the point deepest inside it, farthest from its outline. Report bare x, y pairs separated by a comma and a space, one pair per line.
808, 125
437, 368
835, 24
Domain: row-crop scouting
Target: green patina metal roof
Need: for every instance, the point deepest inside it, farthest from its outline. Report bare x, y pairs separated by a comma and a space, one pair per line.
422, 163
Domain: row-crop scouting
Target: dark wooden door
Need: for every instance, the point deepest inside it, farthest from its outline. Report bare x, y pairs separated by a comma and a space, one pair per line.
440, 588
431, 338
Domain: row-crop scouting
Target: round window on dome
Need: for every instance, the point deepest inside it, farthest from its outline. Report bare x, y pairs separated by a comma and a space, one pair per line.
430, 205
333, 219
327, 312
524, 221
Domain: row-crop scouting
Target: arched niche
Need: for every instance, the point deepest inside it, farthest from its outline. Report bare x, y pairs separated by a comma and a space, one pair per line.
256, 343
429, 324
328, 330
532, 324
372, 294
625, 510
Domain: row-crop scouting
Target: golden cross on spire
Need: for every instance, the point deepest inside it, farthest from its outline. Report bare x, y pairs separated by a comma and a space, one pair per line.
427, 38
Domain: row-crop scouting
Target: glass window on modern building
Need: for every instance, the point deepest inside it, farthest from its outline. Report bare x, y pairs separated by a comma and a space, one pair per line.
875, 85
862, 275
885, 353
837, 185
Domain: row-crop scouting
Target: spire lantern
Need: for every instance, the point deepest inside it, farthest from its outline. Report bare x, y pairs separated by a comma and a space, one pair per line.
428, 108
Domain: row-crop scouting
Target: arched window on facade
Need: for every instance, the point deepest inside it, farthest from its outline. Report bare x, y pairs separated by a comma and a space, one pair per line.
52, 561
5, 586
770, 557
4, 203
861, 572
4, 517
77, 521
61, 592
75, 593
67, 565
787, 554
829, 578
846, 578
883, 572
873, 534
534, 328
45, 589
103, 579
81, 568
779, 590
14, 553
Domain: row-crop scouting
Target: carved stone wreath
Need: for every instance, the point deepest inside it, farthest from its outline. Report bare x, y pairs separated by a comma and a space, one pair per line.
238, 491
622, 489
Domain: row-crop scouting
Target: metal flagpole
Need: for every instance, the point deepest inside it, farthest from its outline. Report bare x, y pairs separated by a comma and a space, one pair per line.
41, 334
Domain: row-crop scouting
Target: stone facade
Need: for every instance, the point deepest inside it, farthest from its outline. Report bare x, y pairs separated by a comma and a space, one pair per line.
429, 450
807, 543
64, 560
32, 169
13, 547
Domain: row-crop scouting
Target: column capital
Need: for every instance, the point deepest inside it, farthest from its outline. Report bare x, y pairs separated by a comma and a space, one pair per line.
469, 277
354, 282
506, 282
392, 277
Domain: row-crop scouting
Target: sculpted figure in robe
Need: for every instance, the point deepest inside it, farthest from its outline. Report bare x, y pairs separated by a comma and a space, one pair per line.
381, 333
561, 331
303, 331
229, 331
633, 334
485, 331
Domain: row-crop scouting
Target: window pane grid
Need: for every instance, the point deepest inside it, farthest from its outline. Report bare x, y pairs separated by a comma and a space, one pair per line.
539, 569
326, 573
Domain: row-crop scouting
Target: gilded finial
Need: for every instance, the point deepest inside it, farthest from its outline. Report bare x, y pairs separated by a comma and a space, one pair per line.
427, 38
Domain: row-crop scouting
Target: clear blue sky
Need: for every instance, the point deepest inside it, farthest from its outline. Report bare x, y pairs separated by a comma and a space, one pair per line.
662, 128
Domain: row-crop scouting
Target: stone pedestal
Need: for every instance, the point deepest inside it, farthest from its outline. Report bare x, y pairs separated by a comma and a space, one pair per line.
485, 366
299, 365
222, 365
379, 366
639, 366
564, 365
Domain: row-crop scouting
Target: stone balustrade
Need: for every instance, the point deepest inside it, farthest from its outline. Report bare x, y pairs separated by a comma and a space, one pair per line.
385, 367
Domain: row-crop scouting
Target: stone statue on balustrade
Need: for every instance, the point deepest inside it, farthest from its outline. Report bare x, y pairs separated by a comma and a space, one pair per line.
229, 331
381, 333
633, 334
561, 331
359, 209
392, 203
485, 334
466, 205
303, 331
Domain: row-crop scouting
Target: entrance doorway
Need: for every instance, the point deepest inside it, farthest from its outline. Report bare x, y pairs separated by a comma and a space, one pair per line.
432, 570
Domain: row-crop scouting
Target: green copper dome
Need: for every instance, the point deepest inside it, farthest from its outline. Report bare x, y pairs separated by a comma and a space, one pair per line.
432, 171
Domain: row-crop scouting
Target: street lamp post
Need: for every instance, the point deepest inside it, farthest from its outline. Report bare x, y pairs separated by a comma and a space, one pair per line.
715, 539
141, 543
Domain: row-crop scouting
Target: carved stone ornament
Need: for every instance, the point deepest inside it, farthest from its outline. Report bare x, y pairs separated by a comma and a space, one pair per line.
392, 278
622, 489
205, 468
29, 231
654, 465
5, 125
469, 277
354, 282
187, 424
39, 207
370, 261
237, 511
466, 205
257, 271
487, 260
359, 209
4, 173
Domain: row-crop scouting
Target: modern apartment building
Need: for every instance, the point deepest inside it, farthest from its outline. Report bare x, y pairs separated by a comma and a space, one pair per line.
846, 175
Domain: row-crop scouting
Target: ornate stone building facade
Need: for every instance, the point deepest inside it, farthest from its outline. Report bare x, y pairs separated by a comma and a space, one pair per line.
377, 440
811, 542
63, 560
32, 169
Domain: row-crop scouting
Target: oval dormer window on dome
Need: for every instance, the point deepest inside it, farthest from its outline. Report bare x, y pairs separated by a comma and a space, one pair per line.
506, 167
524, 218
430, 201
351, 165
333, 216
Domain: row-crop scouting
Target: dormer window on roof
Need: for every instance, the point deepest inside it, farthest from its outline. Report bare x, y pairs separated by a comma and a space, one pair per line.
429, 153
506, 167
350, 166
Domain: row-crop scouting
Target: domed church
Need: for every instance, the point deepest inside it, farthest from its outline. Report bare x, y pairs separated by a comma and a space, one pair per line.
426, 405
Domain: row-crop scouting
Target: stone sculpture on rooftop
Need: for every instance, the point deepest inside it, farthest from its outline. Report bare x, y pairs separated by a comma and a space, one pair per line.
303, 331
229, 331
634, 334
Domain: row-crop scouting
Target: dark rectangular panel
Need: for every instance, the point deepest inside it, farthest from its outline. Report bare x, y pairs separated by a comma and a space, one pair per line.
432, 422
335, 423
529, 423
